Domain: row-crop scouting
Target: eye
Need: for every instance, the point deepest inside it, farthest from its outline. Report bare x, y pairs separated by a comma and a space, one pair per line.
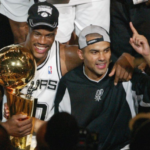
94, 52
36, 33
50, 35
106, 50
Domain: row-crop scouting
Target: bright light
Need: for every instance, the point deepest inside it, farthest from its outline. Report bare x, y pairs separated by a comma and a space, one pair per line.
13, 63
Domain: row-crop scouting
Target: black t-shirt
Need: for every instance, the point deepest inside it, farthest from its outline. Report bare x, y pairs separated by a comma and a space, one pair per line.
102, 107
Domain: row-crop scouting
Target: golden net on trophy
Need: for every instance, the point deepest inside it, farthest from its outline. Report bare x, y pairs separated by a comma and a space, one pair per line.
17, 68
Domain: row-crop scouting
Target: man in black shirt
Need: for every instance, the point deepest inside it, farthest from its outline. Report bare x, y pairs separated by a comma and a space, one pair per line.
89, 94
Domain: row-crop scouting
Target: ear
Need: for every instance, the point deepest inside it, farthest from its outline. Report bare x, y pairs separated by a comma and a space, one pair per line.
56, 30
80, 54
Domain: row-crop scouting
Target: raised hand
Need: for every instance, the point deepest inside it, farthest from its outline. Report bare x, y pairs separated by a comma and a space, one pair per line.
139, 42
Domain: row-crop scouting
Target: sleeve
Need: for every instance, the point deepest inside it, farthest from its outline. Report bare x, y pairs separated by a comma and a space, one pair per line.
16, 10
135, 2
141, 88
62, 99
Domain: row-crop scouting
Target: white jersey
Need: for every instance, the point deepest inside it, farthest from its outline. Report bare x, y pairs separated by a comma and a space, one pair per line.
75, 2
16, 10
45, 82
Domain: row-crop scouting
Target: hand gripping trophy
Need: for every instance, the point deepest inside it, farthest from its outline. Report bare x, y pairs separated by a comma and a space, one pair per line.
17, 68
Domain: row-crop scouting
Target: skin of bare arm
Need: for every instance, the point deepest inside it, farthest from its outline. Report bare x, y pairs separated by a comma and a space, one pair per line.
19, 30
69, 58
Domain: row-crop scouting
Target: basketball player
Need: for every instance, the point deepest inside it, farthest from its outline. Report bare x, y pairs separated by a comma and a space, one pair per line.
54, 60
89, 94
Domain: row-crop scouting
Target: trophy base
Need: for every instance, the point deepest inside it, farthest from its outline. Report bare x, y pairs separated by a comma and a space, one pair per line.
23, 143
27, 148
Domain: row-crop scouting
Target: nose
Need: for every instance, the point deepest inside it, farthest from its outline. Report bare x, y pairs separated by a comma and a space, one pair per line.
101, 56
42, 40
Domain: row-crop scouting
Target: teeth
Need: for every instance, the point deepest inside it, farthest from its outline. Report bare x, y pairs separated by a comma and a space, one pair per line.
40, 48
101, 64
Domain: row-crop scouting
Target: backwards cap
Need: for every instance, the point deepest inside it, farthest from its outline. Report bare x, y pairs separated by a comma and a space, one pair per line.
90, 30
43, 13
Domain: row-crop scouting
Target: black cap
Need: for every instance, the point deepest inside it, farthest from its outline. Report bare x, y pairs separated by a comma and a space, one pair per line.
43, 14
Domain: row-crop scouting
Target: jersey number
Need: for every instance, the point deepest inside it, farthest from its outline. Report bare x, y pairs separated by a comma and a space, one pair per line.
41, 111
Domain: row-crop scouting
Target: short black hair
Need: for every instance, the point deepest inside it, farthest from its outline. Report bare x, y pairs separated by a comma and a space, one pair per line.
62, 132
140, 135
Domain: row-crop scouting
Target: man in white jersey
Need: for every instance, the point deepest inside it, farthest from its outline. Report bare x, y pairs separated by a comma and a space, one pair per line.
53, 59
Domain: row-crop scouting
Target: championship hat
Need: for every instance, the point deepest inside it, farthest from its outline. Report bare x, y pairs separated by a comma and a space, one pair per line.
43, 13
90, 30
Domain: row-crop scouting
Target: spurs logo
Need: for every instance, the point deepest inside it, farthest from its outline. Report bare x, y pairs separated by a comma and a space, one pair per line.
40, 84
45, 11
99, 94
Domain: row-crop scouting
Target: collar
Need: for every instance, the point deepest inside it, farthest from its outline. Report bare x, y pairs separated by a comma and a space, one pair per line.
41, 65
92, 79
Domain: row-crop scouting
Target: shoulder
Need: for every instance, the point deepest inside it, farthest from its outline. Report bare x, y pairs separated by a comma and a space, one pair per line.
69, 57
74, 75
68, 49
75, 72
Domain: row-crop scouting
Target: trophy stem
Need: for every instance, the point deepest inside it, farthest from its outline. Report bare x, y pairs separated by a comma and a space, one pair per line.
12, 91
18, 104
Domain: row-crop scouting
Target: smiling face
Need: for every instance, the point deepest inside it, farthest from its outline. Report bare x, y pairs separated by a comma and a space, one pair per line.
40, 41
96, 58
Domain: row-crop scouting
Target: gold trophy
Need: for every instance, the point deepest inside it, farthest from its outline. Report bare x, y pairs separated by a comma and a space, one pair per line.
17, 68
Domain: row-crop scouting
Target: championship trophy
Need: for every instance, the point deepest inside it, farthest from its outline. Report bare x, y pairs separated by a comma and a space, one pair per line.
17, 68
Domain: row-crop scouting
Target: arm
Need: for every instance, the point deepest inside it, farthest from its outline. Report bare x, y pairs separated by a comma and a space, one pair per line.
123, 68
38, 123
69, 58
19, 30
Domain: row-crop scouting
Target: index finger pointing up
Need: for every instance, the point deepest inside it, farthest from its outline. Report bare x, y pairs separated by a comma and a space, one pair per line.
132, 28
